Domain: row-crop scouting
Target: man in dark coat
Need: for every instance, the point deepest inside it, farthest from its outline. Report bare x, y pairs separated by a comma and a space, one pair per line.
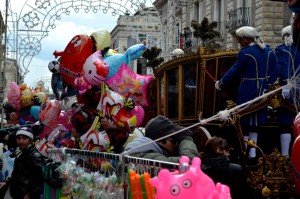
158, 144
288, 58
256, 67
26, 181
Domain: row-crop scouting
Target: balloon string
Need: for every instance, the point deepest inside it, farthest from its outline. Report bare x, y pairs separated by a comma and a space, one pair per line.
294, 82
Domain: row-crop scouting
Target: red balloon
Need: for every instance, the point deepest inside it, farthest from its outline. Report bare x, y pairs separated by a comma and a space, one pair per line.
73, 57
297, 125
295, 159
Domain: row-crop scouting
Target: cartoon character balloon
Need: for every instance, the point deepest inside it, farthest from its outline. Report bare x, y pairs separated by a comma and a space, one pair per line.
73, 57
114, 113
13, 96
187, 185
95, 70
114, 61
49, 112
130, 84
93, 140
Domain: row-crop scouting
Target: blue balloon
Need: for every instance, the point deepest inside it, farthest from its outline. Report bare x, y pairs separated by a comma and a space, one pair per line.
115, 61
34, 112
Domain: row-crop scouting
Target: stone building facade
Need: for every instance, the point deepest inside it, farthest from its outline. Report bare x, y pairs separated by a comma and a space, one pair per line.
142, 27
268, 17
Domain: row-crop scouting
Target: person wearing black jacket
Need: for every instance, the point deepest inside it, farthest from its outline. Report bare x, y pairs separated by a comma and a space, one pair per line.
216, 164
26, 181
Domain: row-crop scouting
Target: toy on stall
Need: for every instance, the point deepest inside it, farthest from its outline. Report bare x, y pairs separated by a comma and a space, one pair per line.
130, 84
114, 61
73, 57
192, 184
114, 114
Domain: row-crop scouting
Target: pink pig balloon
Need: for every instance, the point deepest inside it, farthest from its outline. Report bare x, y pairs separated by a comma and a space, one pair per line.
193, 184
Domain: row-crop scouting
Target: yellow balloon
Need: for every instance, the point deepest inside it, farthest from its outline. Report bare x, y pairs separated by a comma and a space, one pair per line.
43, 97
102, 38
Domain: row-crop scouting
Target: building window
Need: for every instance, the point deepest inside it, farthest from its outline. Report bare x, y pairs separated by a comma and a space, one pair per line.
142, 38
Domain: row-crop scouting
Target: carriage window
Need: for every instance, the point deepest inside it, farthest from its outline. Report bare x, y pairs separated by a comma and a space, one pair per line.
172, 90
189, 89
162, 95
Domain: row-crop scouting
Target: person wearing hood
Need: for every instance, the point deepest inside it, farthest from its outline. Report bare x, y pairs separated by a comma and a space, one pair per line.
289, 61
162, 143
217, 165
256, 67
26, 181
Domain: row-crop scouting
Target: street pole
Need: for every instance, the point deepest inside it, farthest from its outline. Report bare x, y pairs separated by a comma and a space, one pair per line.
4, 63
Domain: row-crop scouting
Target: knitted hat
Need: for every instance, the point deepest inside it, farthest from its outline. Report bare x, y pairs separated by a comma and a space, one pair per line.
158, 127
25, 131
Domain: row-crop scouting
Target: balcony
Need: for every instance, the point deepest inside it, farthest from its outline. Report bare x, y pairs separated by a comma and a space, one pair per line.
238, 18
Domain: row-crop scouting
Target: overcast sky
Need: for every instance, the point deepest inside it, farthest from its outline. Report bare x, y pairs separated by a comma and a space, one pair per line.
66, 28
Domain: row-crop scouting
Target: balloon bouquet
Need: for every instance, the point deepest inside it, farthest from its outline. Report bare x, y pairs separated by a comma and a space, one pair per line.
109, 96
22, 104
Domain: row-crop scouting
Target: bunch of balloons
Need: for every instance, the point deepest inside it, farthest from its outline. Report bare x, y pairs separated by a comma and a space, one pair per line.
109, 97
22, 103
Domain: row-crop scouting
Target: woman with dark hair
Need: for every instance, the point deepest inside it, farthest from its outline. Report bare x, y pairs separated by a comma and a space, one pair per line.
216, 164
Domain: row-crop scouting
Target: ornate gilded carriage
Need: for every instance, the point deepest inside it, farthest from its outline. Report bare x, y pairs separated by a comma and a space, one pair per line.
184, 92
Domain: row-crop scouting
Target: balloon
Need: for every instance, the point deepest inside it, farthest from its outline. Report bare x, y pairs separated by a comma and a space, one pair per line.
43, 97
102, 39
129, 84
95, 70
114, 114
90, 98
25, 99
72, 58
34, 112
114, 61
93, 140
48, 115
139, 112
295, 159
43, 145
192, 184
81, 85
297, 125
13, 96
82, 119
7, 165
